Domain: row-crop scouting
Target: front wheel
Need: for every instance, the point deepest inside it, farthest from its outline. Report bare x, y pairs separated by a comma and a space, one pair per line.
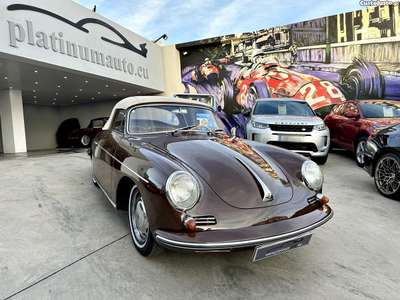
140, 227
360, 151
387, 176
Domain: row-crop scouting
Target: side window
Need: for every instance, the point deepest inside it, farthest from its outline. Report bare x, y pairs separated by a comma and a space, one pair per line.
119, 120
352, 107
338, 109
98, 124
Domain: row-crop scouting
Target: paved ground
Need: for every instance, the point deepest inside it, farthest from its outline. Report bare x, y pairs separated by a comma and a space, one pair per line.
61, 239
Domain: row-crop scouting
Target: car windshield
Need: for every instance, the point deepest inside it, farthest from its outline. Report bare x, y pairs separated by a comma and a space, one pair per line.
281, 107
381, 109
207, 99
171, 117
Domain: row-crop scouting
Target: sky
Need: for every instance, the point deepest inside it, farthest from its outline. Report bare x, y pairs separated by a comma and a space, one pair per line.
190, 20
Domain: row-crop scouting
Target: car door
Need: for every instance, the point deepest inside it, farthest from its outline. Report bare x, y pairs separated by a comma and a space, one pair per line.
350, 126
104, 156
333, 121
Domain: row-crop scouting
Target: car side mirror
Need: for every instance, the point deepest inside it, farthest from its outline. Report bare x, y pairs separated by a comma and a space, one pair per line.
350, 114
219, 108
246, 113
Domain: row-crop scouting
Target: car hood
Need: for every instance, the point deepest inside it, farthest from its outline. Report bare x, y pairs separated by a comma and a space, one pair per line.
228, 167
288, 120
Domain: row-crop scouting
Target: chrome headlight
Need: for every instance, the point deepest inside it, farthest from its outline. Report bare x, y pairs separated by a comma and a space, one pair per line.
182, 190
259, 125
312, 175
320, 127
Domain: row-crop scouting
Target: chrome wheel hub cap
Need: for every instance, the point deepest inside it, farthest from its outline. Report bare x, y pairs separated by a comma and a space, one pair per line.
140, 223
387, 175
85, 140
360, 152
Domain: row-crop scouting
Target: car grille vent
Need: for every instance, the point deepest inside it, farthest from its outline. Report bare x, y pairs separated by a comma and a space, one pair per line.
295, 146
205, 220
291, 128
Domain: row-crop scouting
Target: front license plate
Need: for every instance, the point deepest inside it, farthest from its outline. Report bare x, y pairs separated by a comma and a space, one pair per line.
290, 138
268, 250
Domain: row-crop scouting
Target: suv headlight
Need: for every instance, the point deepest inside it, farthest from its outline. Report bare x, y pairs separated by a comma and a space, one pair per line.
320, 127
182, 190
259, 125
312, 175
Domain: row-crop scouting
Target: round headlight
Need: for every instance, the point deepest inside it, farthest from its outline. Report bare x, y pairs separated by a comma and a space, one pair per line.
182, 190
312, 175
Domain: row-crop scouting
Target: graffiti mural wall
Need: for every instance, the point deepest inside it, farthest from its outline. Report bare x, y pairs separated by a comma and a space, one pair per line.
354, 55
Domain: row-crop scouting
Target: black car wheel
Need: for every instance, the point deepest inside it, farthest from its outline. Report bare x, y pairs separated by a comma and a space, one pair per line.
360, 151
387, 175
85, 140
140, 227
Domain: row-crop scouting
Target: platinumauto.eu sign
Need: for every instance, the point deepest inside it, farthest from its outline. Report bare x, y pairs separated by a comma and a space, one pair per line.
20, 33
65, 35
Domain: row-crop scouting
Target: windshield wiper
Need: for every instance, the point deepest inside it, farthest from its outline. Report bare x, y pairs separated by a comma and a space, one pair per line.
185, 128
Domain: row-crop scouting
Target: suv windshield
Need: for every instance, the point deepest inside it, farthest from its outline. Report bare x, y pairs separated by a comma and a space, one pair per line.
281, 107
380, 109
171, 117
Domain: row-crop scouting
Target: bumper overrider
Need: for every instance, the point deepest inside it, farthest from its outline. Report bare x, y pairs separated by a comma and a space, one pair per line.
232, 239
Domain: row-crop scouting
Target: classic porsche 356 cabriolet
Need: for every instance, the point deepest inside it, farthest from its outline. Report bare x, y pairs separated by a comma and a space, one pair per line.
189, 186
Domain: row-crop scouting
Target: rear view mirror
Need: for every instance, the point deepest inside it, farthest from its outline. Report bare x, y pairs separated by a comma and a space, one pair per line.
246, 113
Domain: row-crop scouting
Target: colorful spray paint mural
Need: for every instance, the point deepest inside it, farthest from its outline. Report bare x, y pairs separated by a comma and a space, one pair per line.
324, 61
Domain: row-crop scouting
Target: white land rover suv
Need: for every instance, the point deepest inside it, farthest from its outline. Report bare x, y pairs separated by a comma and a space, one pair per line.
291, 124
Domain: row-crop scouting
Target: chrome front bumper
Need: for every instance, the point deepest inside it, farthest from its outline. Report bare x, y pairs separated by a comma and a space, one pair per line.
295, 141
229, 245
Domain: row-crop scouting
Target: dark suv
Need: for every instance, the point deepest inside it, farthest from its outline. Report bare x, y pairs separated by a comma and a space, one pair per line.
352, 122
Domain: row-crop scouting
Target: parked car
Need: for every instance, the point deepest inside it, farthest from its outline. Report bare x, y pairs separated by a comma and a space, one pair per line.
84, 136
189, 186
64, 130
351, 123
382, 160
291, 124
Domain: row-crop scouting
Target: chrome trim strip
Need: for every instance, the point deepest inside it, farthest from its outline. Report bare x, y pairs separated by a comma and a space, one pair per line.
145, 180
115, 206
267, 193
237, 244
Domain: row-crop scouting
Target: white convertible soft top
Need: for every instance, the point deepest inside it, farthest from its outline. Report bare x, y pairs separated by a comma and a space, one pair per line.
130, 101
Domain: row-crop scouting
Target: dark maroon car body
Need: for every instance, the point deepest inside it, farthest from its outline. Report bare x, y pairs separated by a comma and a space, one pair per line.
230, 212
84, 136
352, 122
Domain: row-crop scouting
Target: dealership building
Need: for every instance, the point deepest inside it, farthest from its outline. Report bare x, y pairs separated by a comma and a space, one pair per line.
59, 60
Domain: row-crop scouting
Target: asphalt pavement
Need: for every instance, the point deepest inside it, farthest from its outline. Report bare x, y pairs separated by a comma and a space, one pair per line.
60, 238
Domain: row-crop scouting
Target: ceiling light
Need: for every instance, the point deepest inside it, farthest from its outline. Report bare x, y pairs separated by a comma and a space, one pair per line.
138, 92
65, 77
106, 85
72, 100
80, 90
56, 93
98, 92
10, 87
53, 103
34, 91
59, 86
115, 95
92, 98
34, 97
86, 81
36, 82
76, 96
35, 101
5, 77
123, 89
35, 71
55, 98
